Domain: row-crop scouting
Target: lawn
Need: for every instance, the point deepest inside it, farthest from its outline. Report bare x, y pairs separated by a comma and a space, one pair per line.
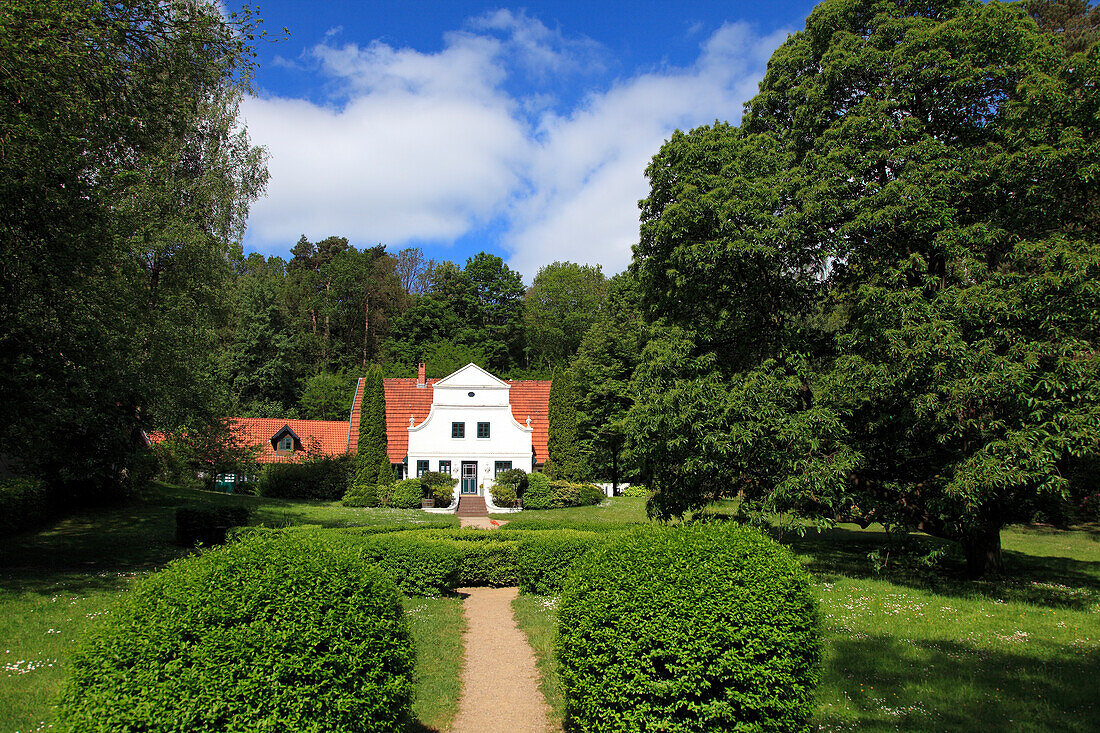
915, 647
55, 583
909, 644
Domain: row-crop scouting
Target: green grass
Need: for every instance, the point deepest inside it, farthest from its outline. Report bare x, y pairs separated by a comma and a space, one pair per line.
536, 617
437, 626
617, 510
55, 583
913, 648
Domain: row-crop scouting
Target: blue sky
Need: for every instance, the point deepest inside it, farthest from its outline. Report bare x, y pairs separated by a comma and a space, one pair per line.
460, 127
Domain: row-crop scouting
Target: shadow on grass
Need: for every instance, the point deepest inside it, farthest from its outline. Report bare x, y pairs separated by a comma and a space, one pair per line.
1054, 582
919, 685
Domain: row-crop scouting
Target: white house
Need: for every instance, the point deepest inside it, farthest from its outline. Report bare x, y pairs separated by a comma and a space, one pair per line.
469, 424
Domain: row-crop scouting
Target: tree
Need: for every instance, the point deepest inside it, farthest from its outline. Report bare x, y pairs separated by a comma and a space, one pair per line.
326, 396
913, 185
602, 369
480, 306
562, 304
566, 460
413, 270
126, 181
1075, 23
444, 357
372, 426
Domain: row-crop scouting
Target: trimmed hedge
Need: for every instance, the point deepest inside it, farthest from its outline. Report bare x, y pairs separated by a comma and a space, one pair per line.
698, 628
542, 493
24, 503
435, 561
209, 525
319, 479
281, 631
545, 559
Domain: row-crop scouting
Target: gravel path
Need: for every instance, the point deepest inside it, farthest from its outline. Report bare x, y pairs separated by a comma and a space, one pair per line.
500, 690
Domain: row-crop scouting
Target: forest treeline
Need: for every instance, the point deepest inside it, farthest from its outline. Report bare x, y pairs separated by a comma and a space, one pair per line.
301, 331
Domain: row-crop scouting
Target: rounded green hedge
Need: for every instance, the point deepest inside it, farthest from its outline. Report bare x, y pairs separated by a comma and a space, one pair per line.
281, 631
699, 628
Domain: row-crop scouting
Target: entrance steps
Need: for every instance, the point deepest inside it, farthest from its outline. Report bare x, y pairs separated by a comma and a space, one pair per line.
472, 506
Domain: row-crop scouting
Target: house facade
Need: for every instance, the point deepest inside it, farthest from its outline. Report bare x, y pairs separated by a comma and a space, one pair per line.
469, 424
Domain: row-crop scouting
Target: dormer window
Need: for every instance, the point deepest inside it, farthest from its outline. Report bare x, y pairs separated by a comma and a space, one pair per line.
284, 441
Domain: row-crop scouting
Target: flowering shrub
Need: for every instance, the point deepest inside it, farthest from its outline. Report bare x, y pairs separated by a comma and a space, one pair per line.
697, 628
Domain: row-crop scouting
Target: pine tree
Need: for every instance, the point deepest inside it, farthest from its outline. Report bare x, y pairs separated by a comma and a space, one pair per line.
566, 460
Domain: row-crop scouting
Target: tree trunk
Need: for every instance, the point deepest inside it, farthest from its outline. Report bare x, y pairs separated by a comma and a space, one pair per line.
982, 548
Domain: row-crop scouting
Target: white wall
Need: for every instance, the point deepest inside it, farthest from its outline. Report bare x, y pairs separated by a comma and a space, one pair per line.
451, 402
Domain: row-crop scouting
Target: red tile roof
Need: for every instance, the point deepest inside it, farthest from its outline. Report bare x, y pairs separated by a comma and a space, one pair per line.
404, 398
329, 437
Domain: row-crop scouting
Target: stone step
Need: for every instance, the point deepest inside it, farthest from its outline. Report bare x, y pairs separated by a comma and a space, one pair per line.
472, 506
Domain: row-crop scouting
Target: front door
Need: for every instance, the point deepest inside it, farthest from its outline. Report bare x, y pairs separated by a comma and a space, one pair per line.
469, 477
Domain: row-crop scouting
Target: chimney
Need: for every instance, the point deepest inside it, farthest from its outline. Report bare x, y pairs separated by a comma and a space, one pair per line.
420, 377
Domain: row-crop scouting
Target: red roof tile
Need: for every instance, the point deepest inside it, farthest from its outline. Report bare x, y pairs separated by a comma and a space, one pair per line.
329, 437
404, 398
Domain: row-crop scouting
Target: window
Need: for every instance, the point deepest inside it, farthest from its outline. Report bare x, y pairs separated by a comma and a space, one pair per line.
445, 467
421, 468
501, 466
458, 430
286, 443
483, 430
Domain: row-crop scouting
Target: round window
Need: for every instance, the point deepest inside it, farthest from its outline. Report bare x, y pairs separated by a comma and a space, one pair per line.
471, 394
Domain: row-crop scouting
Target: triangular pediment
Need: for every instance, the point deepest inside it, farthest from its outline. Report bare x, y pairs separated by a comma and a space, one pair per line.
470, 375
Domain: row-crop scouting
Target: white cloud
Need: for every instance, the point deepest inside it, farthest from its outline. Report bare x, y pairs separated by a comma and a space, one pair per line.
429, 146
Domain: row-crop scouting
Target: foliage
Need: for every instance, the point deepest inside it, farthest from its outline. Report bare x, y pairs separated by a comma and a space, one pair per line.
566, 459
220, 446
563, 302
545, 559
327, 396
440, 486
290, 629
636, 491
371, 448
361, 495
208, 526
479, 306
515, 476
324, 478
602, 369
639, 650
1074, 23
895, 258
128, 181
504, 493
406, 494
417, 566
443, 357
538, 492
386, 476
24, 503
564, 494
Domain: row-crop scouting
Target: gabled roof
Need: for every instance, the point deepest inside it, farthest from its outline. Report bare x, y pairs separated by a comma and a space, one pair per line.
328, 437
528, 398
470, 375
